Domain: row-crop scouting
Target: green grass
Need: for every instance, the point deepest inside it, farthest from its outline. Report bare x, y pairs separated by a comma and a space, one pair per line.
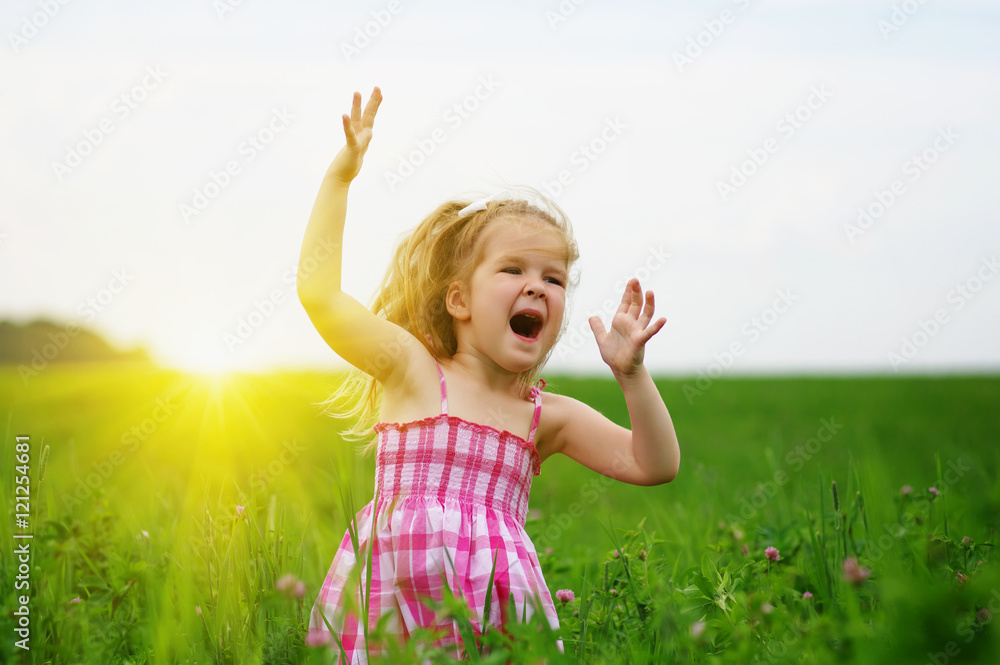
660, 573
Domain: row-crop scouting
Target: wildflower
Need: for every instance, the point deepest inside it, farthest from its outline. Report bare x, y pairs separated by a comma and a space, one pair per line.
300, 589
697, 628
962, 579
855, 573
905, 490
143, 535
772, 553
766, 608
984, 615
565, 595
239, 511
966, 542
642, 555
75, 600
934, 492
286, 583
614, 592
616, 554
548, 551
738, 535
317, 637
807, 595
197, 610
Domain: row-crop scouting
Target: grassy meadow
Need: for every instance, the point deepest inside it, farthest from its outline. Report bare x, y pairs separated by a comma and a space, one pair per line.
182, 519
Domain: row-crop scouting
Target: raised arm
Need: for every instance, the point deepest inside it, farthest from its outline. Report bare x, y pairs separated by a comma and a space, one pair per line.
648, 454
351, 329
326, 222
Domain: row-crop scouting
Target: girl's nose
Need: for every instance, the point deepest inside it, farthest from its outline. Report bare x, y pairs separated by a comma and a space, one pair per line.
533, 287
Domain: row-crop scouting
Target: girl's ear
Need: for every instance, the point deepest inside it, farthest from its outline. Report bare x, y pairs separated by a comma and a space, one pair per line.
456, 301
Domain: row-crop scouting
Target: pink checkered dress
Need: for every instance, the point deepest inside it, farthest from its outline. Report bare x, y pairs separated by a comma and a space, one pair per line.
451, 494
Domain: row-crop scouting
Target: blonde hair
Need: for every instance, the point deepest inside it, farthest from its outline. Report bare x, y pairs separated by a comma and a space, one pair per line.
442, 249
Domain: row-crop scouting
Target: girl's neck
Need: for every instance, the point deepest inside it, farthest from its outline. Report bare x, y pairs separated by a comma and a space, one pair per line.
482, 372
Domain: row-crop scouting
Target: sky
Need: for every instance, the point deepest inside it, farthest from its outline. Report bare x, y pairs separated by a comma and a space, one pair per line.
807, 187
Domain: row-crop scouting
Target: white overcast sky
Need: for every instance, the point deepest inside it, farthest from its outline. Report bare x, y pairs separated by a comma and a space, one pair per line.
872, 87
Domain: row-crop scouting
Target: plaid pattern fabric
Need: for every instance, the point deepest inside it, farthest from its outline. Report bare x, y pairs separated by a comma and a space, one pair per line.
451, 494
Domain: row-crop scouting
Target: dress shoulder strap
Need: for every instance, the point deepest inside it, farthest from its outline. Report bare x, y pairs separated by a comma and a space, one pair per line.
536, 394
444, 390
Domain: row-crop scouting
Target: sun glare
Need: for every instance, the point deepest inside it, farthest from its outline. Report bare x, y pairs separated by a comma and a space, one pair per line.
201, 355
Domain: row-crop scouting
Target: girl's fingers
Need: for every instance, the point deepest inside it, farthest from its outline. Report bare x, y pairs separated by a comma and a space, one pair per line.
647, 312
636, 305
597, 326
352, 139
626, 300
356, 108
653, 329
372, 107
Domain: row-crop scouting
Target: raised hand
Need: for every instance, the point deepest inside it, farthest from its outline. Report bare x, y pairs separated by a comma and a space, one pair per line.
622, 347
358, 132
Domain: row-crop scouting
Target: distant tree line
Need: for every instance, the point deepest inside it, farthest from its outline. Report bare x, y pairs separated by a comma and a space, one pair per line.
42, 341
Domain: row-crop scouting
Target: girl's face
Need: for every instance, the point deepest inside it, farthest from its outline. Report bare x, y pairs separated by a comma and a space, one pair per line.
512, 310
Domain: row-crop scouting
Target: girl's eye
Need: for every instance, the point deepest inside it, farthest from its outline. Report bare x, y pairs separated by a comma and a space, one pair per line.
512, 271
553, 280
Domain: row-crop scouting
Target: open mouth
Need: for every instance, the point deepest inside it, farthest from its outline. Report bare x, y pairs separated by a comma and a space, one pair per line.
526, 325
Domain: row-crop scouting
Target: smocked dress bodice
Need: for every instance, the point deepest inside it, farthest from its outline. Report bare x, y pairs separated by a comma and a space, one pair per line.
448, 457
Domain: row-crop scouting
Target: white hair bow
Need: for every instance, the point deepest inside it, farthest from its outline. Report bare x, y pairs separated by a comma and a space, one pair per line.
476, 206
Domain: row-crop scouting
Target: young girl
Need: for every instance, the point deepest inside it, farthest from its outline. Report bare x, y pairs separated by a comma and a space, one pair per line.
466, 316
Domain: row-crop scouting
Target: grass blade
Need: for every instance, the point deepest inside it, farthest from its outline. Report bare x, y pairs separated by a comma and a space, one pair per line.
489, 592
